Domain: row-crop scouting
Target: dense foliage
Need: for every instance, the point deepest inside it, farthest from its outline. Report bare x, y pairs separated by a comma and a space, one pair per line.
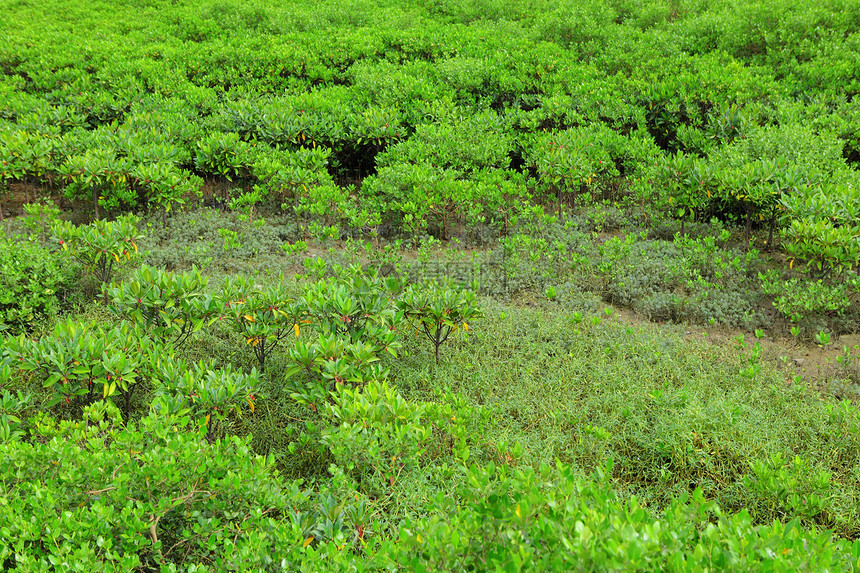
192, 389
124, 434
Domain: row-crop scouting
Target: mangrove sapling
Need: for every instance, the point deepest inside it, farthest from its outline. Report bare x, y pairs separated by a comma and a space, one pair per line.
40, 217
101, 245
231, 239
319, 367
245, 203
102, 173
356, 305
225, 155
263, 316
168, 306
209, 392
81, 363
165, 185
438, 310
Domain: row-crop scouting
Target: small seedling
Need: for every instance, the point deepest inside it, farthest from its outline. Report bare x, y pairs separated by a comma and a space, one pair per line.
231, 239
294, 248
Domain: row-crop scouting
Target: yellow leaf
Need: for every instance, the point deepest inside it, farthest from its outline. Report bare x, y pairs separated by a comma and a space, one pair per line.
419, 538
791, 264
250, 404
519, 512
308, 541
465, 327
207, 418
249, 318
296, 329
116, 256
134, 245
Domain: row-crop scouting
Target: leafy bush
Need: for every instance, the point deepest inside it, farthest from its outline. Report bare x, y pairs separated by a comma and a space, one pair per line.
356, 305
263, 317
210, 395
377, 435
81, 363
101, 173
806, 302
518, 519
33, 282
145, 495
572, 161
827, 248
100, 245
437, 310
167, 306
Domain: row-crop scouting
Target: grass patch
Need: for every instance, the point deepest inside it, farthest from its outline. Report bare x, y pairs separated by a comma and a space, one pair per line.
673, 414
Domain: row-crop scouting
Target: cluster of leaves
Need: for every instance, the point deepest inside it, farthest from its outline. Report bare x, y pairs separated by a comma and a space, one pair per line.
149, 496
167, 306
33, 281
209, 394
824, 231
102, 246
447, 123
85, 362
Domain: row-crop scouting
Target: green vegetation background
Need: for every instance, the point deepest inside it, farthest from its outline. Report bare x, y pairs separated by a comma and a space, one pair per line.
692, 161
